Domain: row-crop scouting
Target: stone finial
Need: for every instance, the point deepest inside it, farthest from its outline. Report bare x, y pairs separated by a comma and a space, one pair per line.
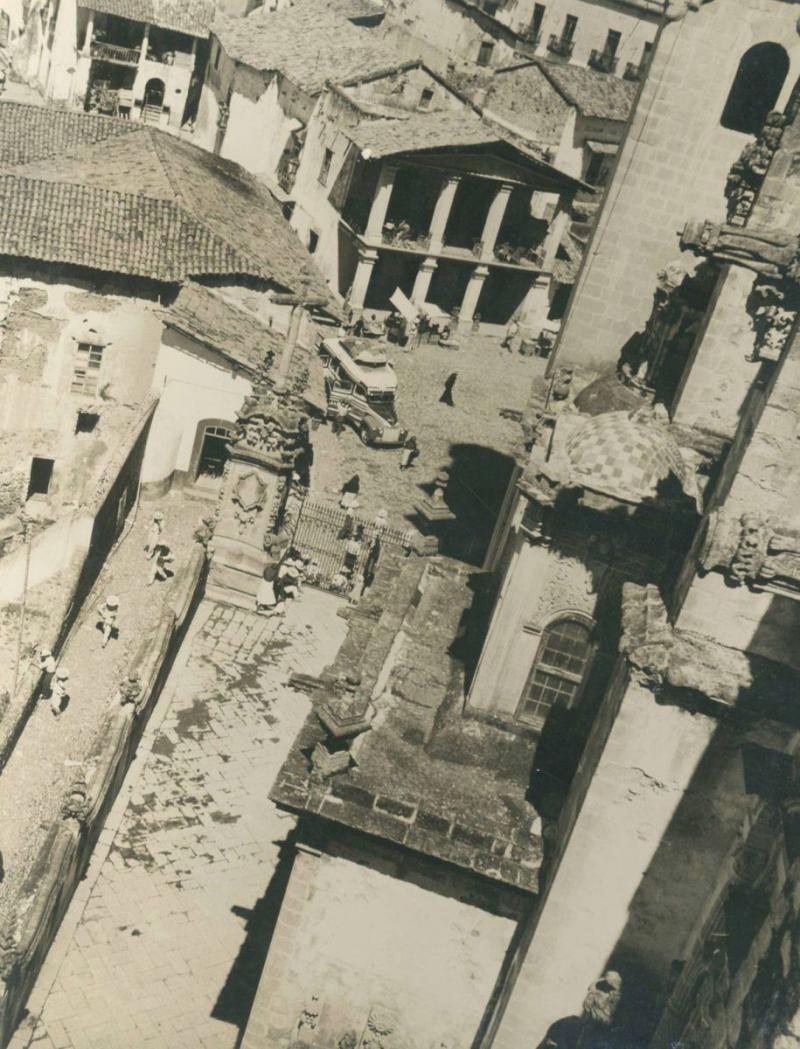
349, 711
129, 690
76, 803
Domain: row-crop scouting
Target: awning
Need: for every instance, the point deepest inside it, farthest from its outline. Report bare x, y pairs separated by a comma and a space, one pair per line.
602, 147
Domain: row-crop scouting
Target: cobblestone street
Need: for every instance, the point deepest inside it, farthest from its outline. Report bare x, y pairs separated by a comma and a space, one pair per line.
165, 938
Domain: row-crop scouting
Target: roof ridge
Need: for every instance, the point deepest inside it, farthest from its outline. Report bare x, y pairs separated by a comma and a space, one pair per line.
153, 136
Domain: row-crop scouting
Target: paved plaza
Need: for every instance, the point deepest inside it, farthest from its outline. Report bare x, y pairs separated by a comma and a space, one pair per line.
164, 941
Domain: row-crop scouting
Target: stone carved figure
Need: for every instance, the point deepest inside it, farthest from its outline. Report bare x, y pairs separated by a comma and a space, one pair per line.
766, 555
770, 252
773, 323
748, 172
76, 802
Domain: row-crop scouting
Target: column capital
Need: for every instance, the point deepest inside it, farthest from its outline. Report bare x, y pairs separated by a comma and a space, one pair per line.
429, 264
480, 272
369, 256
773, 253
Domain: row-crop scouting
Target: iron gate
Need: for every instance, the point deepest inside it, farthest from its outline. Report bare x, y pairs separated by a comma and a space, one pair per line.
321, 533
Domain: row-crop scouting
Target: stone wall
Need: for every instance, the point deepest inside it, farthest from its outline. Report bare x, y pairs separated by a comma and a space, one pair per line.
65, 854
675, 159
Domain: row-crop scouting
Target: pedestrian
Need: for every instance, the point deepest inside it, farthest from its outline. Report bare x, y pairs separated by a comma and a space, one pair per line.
512, 338
163, 563
107, 618
267, 603
447, 393
289, 577
339, 418
348, 497
352, 550
45, 662
371, 563
409, 453
357, 589
154, 533
59, 696
413, 333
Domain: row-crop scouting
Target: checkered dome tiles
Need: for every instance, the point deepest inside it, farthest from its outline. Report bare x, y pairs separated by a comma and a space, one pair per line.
620, 454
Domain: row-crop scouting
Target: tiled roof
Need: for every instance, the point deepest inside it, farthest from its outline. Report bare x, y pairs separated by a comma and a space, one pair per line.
311, 42
193, 17
32, 132
236, 333
594, 94
419, 131
147, 203
527, 99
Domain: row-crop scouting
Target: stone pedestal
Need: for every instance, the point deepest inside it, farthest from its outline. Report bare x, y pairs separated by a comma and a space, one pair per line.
435, 515
247, 535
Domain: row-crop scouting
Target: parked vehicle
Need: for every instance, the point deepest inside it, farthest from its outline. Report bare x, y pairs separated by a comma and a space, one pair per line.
361, 376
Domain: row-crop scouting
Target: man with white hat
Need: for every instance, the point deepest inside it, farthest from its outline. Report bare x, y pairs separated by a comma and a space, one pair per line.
44, 661
107, 617
154, 533
59, 695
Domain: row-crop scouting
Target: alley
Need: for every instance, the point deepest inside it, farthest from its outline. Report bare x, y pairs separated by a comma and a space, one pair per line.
164, 941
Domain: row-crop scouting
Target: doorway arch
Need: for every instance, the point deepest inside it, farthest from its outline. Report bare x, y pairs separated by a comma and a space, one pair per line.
210, 451
154, 92
755, 88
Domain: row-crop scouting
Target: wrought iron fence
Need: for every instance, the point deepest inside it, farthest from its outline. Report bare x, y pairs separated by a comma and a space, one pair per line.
322, 533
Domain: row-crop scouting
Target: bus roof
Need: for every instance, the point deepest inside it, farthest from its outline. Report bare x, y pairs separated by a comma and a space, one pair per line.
364, 363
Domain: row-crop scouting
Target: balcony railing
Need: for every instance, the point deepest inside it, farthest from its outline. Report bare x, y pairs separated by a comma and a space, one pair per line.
603, 61
560, 45
128, 56
635, 70
528, 35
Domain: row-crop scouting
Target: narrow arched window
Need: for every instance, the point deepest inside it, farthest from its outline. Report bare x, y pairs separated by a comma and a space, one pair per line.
559, 670
755, 88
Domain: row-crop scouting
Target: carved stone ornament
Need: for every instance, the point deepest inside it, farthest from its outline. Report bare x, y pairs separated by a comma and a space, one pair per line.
326, 763
772, 253
748, 172
9, 949
773, 323
647, 636
76, 802
752, 550
248, 499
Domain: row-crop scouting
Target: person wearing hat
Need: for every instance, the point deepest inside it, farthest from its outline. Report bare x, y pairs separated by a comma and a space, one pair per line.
44, 661
266, 598
107, 618
163, 563
59, 695
154, 533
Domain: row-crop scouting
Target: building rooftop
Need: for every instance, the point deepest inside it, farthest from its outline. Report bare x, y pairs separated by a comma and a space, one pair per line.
424, 776
212, 319
34, 132
593, 94
193, 17
143, 203
310, 43
525, 97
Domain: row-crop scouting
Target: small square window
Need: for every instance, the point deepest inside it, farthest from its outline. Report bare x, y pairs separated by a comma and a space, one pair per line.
40, 477
87, 421
86, 370
325, 169
426, 98
485, 53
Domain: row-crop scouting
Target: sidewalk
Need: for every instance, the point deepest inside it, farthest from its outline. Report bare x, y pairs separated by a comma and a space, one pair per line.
164, 941
50, 749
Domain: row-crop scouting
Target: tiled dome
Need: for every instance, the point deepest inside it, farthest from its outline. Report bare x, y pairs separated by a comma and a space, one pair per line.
625, 454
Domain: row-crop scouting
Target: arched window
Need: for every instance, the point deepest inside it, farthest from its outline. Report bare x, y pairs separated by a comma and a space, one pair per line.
755, 88
561, 663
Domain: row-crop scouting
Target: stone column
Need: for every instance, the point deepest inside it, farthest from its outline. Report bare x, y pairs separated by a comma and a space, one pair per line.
87, 40
472, 294
358, 291
535, 305
494, 220
145, 42
248, 536
422, 281
380, 202
441, 211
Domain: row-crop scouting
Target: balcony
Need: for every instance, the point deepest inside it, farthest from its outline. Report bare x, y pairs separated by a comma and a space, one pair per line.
401, 235
560, 45
635, 71
526, 34
125, 56
603, 61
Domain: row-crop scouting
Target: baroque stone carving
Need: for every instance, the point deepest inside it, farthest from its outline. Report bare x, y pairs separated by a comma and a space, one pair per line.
773, 323
129, 690
748, 172
248, 499
9, 949
76, 802
772, 253
755, 552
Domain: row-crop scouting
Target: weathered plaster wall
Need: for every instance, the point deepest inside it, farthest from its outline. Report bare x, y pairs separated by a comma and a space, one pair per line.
192, 383
354, 941
635, 871
44, 322
258, 126
403, 91
673, 167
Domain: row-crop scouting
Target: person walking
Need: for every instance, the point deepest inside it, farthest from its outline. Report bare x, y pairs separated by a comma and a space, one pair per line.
59, 696
154, 533
44, 661
352, 551
348, 497
371, 562
409, 453
107, 618
163, 564
338, 418
447, 393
